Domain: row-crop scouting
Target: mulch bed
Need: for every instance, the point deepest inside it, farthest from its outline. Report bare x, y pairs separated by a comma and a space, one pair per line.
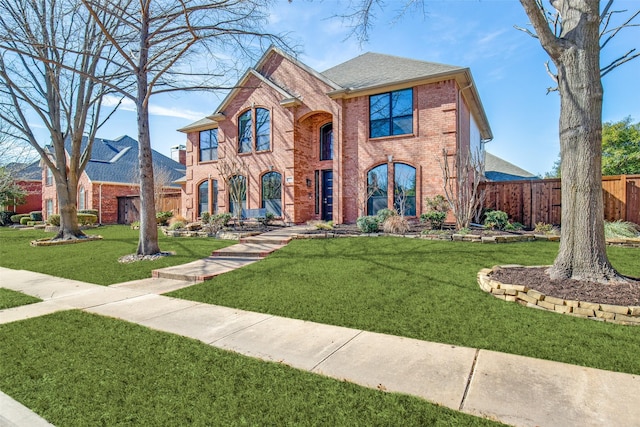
625, 294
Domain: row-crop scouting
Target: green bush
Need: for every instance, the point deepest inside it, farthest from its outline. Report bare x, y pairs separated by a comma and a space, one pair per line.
5, 217
544, 228
222, 219
496, 220
162, 217
87, 219
176, 225
205, 217
89, 211
54, 220
268, 218
367, 224
514, 226
25, 219
17, 218
383, 214
438, 203
434, 219
36, 215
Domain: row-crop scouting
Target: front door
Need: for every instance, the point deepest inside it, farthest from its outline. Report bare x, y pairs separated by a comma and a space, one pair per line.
327, 195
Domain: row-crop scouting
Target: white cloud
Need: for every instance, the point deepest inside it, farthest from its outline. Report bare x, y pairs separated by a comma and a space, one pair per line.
154, 109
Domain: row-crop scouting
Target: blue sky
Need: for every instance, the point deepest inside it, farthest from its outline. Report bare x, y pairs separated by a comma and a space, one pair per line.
507, 66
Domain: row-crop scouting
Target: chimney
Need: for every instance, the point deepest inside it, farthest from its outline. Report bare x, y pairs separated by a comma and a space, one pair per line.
179, 154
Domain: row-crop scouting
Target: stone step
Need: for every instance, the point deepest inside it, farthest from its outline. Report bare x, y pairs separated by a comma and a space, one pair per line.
268, 240
203, 269
247, 250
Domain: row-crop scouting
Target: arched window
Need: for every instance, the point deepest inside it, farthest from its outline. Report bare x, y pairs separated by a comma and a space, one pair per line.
245, 132
272, 193
404, 189
237, 188
377, 189
326, 142
81, 199
203, 198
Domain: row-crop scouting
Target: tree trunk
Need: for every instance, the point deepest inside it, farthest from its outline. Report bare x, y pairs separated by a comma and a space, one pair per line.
582, 254
69, 228
148, 240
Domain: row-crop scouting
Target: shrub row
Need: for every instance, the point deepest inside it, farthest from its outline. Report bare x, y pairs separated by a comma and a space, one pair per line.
83, 219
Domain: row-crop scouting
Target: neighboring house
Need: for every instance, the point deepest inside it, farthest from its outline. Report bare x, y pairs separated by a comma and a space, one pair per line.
110, 182
29, 178
497, 169
364, 135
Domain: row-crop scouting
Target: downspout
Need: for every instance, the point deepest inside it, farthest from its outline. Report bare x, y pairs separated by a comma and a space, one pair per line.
100, 204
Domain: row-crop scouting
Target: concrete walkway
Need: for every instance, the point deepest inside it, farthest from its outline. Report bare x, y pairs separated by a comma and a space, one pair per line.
513, 389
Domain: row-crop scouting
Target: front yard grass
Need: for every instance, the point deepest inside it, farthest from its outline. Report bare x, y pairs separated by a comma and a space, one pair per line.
10, 299
79, 369
97, 261
425, 290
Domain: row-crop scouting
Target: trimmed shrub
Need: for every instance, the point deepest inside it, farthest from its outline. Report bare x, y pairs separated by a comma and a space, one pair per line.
176, 225
162, 218
54, 220
25, 219
496, 220
367, 224
205, 217
87, 219
89, 211
383, 214
222, 219
396, 225
16, 218
5, 217
36, 215
434, 219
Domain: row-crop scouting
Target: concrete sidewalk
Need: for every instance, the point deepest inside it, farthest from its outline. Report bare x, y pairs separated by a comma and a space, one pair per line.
513, 389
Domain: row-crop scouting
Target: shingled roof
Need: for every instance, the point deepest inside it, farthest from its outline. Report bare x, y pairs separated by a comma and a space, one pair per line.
376, 69
116, 161
497, 169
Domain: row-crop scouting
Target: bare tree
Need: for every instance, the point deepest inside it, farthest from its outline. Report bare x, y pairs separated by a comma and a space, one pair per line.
47, 51
461, 176
234, 172
160, 37
161, 180
10, 192
572, 32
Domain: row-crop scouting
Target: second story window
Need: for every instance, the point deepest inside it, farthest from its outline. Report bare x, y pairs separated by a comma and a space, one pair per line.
209, 145
48, 177
391, 113
254, 125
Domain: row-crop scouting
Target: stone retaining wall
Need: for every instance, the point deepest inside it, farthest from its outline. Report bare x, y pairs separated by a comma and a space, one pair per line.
523, 295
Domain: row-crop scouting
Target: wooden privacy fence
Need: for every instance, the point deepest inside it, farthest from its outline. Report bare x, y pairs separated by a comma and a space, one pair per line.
534, 201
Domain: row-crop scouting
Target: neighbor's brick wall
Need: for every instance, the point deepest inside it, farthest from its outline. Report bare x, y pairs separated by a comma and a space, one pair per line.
33, 200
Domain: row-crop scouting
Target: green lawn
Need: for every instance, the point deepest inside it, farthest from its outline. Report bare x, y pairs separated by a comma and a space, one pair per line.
10, 299
425, 290
79, 369
97, 261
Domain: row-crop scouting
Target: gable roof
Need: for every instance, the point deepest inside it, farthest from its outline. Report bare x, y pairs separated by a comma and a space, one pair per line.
355, 77
116, 161
371, 70
497, 169
26, 171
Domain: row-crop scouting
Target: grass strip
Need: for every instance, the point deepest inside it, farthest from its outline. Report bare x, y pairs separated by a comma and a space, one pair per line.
10, 299
79, 369
425, 290
97, 261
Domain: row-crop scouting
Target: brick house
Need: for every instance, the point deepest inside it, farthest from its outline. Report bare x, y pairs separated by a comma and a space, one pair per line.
364, 135
109, 183
28, 177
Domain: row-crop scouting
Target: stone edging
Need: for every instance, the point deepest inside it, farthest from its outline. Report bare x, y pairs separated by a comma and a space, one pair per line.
48, 242
523, 295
